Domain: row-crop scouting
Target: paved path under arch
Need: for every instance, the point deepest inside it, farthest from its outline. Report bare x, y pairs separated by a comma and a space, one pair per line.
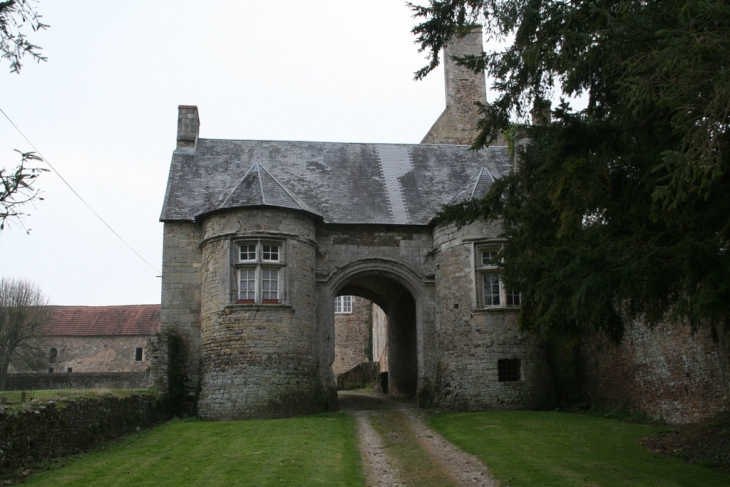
382, 469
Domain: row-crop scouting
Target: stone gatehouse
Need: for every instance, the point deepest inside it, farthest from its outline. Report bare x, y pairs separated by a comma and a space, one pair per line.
260, 237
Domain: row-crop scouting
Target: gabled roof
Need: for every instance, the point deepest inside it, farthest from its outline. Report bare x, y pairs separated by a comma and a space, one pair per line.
258, 188
476, 187
402, 184
136, 319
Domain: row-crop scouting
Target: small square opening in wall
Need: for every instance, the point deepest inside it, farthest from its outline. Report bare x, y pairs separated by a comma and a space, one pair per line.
508, 370
68, 370
138, 355
50, 370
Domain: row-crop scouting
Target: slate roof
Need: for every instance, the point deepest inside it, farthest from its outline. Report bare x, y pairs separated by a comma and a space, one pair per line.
341, 182
476, 187
137, 319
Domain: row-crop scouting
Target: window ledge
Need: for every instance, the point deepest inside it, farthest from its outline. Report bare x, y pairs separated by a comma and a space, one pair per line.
496, 309
232, 308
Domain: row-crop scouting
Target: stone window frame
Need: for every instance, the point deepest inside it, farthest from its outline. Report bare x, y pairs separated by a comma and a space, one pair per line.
266, 259
344, 304
507, 298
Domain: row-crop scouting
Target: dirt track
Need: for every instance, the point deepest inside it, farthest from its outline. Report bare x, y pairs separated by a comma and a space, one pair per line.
383, 469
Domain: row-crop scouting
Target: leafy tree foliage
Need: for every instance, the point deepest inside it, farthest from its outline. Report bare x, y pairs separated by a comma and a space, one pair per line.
16, 188
619, 211
14, 44
23, 313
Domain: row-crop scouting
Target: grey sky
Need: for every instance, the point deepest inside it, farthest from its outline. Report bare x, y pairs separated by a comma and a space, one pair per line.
103, 111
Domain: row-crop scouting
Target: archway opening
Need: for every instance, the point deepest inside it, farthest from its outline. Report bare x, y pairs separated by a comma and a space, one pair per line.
390, 347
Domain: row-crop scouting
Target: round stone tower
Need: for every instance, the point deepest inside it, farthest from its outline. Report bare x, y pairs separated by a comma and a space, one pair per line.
258, 351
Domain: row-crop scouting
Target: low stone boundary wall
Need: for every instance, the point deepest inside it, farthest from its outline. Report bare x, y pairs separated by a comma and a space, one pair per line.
358, 377
42, 431
80, 380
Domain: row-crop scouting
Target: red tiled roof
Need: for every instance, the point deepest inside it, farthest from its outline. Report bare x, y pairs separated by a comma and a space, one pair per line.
136, 319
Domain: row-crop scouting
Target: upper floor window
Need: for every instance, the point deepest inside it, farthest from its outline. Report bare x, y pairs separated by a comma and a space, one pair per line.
259, 269
343, 304
491, 292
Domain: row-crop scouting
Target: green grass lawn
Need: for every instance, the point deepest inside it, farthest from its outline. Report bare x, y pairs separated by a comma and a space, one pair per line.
310, 451
527, 449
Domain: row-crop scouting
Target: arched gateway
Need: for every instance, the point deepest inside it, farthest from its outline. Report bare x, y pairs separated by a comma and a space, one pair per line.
407, 300
260, 236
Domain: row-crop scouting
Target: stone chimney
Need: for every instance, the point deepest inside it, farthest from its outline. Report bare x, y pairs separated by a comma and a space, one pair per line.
188, 127
458, 122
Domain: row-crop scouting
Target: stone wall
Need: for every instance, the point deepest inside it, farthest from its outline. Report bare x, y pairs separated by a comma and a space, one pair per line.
88, 380
98, 353
259, 360
667, 372
353, 338
43, 431
472, 339
181, 290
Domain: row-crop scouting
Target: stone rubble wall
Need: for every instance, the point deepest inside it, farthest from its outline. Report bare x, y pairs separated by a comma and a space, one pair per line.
42, 431
666, 372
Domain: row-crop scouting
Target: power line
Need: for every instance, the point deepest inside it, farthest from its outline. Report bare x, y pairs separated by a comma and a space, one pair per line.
77, 195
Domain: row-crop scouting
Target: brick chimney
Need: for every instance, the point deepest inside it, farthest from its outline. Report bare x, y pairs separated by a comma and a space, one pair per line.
457, 124
188, 127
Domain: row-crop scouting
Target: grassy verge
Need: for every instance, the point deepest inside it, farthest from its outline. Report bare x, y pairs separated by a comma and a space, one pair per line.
558, 449
310, 451
415, 466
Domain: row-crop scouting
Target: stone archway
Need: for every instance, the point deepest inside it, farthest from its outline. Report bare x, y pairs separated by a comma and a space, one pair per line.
399, 292
400, 308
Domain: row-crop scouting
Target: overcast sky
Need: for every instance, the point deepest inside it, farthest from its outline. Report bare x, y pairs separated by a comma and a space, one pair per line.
103, 111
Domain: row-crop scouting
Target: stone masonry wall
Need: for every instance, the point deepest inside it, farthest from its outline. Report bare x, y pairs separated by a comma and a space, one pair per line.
181, 291
259, 360
353, 336
666, 372
98, 354
472, 340
43, 431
